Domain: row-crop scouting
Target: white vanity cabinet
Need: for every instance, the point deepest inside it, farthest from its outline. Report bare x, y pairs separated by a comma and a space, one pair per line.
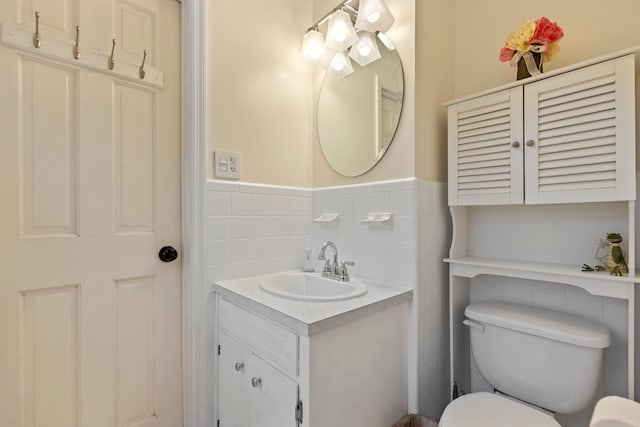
344, 372
565, 138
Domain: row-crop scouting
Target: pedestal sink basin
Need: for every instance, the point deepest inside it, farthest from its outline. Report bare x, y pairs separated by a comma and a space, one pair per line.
310, 287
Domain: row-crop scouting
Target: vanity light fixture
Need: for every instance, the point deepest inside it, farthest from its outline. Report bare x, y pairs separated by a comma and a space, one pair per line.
341, 34
365, 50
372, 18
374, 15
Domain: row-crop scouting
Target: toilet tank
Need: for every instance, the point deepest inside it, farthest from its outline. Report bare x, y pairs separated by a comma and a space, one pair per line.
550, 359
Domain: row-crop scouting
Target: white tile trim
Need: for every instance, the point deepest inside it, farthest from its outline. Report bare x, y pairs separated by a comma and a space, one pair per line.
253, 188
404, 183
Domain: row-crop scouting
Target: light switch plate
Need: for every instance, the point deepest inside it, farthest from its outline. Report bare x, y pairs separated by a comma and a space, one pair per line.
227, 164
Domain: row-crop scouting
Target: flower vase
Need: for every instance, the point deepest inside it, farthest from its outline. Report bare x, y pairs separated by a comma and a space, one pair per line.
523, 73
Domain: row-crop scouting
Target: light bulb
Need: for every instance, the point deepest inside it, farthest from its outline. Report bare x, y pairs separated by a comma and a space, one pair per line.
373, 17
340, 34
340, 65
315, 54
315, 50
364, 50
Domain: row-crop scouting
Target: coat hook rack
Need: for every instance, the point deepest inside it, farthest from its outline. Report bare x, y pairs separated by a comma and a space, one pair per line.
110, 62
36, 36
76, 49
71, 50
144, 58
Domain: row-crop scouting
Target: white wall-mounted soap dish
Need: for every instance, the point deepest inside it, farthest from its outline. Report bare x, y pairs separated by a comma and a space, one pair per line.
327, 217
377, 218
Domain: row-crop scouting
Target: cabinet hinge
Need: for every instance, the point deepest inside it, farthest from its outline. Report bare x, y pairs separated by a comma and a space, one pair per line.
218, 355
299, 412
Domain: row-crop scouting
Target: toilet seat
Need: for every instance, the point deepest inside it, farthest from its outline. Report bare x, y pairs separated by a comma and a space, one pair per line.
484, 409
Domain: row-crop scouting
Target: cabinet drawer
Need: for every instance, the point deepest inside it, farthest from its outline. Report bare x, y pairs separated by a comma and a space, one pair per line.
264, 338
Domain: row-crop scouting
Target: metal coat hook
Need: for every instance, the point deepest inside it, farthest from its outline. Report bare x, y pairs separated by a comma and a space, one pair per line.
36, 36
144, 58
76, 49
110, 62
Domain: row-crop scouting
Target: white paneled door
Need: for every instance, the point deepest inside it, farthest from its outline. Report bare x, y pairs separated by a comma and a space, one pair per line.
90, 318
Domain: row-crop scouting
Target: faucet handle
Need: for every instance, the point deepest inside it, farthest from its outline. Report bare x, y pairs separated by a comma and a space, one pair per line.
343, 273
327, 270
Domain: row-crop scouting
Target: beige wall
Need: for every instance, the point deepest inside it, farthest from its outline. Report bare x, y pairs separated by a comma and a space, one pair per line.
262, 99
461, 59
435, 37
424, 32
259, 94
592, 28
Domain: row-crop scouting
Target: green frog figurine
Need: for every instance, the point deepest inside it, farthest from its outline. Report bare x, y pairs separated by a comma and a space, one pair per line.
614, 260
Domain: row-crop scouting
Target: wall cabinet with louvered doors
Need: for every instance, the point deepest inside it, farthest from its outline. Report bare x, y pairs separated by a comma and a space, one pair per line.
566, 138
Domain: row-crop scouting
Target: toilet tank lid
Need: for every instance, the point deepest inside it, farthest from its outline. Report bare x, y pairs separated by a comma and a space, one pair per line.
549, 324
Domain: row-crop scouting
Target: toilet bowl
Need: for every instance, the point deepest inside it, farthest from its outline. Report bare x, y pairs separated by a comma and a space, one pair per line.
539, 358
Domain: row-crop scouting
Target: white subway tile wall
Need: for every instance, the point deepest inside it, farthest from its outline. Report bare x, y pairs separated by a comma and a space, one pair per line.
255, 229
385, 253
434, 229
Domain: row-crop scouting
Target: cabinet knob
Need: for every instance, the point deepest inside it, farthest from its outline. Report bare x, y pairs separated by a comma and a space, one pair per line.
515, 144
530, 143
239, 366
256, 382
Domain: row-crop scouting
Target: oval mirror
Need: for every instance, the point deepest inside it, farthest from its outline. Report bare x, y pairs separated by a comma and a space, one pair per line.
358, 114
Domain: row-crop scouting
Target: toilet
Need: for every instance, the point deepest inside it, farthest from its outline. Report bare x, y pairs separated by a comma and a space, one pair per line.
538, 361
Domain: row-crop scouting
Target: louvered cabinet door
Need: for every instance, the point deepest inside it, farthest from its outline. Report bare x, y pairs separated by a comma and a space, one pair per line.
580, 135
485, 149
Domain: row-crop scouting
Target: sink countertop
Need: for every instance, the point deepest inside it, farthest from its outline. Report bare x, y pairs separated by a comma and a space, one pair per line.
308, 318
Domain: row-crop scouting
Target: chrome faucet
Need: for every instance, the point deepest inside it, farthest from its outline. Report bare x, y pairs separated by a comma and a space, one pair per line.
334, 270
